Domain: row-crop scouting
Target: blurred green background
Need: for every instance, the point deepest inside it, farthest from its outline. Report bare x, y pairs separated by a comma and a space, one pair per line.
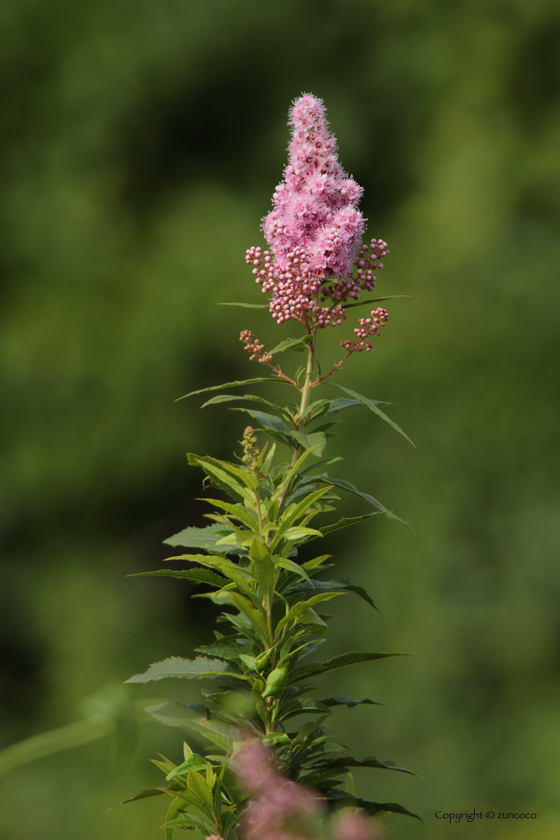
140, 143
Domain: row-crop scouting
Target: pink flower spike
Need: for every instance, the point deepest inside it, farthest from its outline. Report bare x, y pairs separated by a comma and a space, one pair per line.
314, 230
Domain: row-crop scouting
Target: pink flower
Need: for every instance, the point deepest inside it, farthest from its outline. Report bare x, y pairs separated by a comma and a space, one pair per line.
353, 825
315, 207
279, 809
314, 230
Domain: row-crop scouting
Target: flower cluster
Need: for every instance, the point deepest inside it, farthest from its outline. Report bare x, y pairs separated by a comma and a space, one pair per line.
283, 810
278, 808
314, 230
355, 826
254, 346
315, 207
368, 327
250, 449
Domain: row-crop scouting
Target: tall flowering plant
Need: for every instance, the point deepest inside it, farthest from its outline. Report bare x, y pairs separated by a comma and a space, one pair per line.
264, 777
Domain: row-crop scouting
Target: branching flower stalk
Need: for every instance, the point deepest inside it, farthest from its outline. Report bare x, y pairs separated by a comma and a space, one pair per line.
264, 777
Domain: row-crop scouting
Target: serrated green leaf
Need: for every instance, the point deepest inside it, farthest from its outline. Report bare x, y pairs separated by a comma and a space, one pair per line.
289, 344
191, 669
198, 785
372, 405
222, 649
315, 441
196, 537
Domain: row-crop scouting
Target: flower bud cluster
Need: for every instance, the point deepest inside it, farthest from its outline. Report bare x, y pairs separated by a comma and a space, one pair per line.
368, 261
254, 346
368, 327
294, 289
251, 450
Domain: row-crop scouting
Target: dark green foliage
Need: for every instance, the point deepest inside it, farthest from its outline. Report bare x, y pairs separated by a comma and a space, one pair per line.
270, 602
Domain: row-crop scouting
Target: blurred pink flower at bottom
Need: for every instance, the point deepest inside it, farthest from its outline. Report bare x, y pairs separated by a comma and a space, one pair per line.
356, 826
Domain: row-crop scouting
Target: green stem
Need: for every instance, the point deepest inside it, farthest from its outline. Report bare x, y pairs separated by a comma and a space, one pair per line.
306, 390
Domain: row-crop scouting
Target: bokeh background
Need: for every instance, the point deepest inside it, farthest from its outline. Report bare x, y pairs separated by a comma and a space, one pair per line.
140, 143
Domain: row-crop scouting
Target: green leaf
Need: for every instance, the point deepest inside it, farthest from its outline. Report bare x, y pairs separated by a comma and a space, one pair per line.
198, 785
190, 669
241, 481
341, 661
261, 305
237, 384
342, 585
300, 509
255, 616
144, 794
190, 822
224, 398
290, 566
223, 650
180, 714
238, 512
346, 521
289, 344
299, 534
345, 485
300, 706
374, 300
302, 606
372, 405
193, 762
197, 575
369, 761
372, 808
315, 441
340, 700
269, 421
197, 537
341, 404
